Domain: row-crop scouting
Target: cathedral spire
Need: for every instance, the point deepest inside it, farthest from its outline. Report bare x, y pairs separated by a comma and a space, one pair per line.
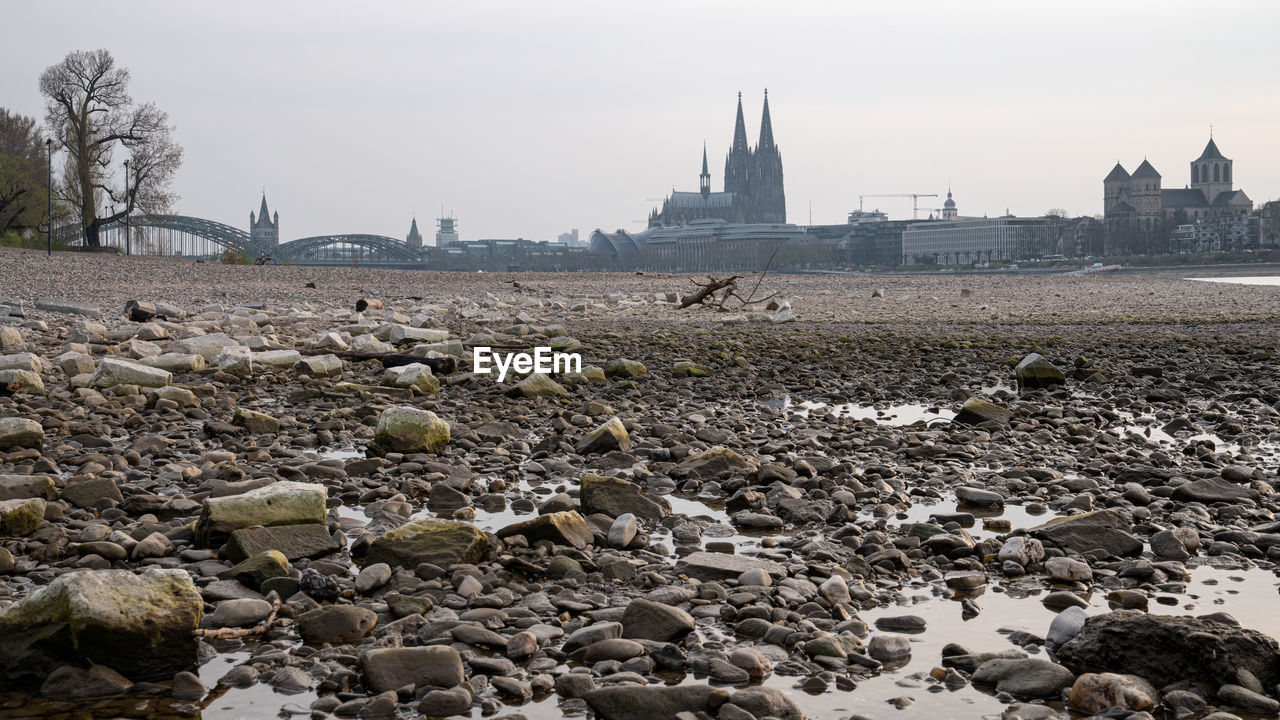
739, 132
262, 213
704, 180
766, 126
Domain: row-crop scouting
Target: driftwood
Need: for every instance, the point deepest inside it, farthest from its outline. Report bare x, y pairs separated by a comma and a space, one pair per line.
728, 289
260, 629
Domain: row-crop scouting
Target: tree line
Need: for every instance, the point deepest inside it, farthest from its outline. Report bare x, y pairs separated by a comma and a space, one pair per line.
111, 156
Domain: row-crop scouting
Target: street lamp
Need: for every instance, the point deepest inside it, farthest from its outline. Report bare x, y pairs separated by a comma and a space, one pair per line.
126, 206
48, 151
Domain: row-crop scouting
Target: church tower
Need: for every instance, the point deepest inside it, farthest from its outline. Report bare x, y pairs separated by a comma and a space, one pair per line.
414, 238
264, 230
737, 173
1144, 195
704, 180
1211, 172
770, 203
949, 208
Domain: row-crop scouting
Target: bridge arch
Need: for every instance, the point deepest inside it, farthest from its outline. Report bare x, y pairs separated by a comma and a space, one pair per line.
389, 247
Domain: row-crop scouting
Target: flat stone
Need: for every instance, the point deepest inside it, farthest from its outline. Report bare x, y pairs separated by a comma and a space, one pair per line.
68, 307
428, 666
722, 566
295, 542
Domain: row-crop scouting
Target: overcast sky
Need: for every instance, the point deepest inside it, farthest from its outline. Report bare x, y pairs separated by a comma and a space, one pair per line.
528, 119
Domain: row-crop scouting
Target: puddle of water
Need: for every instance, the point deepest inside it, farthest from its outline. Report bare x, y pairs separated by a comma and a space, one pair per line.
895, 415
341, 454
1017, 515
1257, 280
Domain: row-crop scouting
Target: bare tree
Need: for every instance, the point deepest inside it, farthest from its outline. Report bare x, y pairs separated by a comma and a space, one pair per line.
90, 112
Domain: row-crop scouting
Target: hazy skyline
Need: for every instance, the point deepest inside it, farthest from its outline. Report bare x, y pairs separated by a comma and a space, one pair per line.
531, 119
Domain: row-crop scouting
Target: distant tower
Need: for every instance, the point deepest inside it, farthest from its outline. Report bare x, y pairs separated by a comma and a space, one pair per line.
446, 231
1144, 195
704, 180
1211, 172
1115, 187
949, 207
414, 238
737, 164
264, 230
770, 204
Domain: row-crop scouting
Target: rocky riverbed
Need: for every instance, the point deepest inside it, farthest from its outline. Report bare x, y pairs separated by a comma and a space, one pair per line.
873, 497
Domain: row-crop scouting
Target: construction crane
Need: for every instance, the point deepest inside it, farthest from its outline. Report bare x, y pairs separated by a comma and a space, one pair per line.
915, 201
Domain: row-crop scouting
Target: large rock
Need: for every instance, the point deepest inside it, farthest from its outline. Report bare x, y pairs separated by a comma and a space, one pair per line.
621, 367
767, 702
560, 528
1036, 372
20, 433
295, 542
414, 375
206, 346
255, 422
615, 496
654, 702
336, 624
68, 307
612, 435
21, 381
1100, 529
1215, 490
429, 666
716, 460
113, 371
648, 620
1095, 692
976, 412
410, 430
1166, 649
537, 385
275, 359
320, 366
17, 487
21, 361
174, 362
1028, 677
722, 566
21, 517
90, 491
140, 625
280, 503
439, 542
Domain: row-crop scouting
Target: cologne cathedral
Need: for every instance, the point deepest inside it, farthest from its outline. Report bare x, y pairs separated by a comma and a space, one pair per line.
752, 183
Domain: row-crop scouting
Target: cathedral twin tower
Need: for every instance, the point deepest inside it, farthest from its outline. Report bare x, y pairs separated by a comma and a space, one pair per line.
752, 183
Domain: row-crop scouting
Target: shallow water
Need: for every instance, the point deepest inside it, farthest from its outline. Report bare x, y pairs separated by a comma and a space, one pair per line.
899, 414
1254, 280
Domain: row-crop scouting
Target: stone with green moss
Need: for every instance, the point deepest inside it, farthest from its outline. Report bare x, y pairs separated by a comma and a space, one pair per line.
21, 517
280, 503
140, 625
260, 568
537, 385
21, 381
256, 422
621, 367
976, 411
685, 368
439, 542
611, 435
716, 460
410, 430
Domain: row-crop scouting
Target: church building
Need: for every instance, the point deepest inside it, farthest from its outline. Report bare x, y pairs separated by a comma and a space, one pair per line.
752, 183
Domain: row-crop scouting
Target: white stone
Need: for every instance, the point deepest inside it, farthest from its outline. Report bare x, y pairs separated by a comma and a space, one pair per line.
113, 371
21, 361
206, 346
177, 362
